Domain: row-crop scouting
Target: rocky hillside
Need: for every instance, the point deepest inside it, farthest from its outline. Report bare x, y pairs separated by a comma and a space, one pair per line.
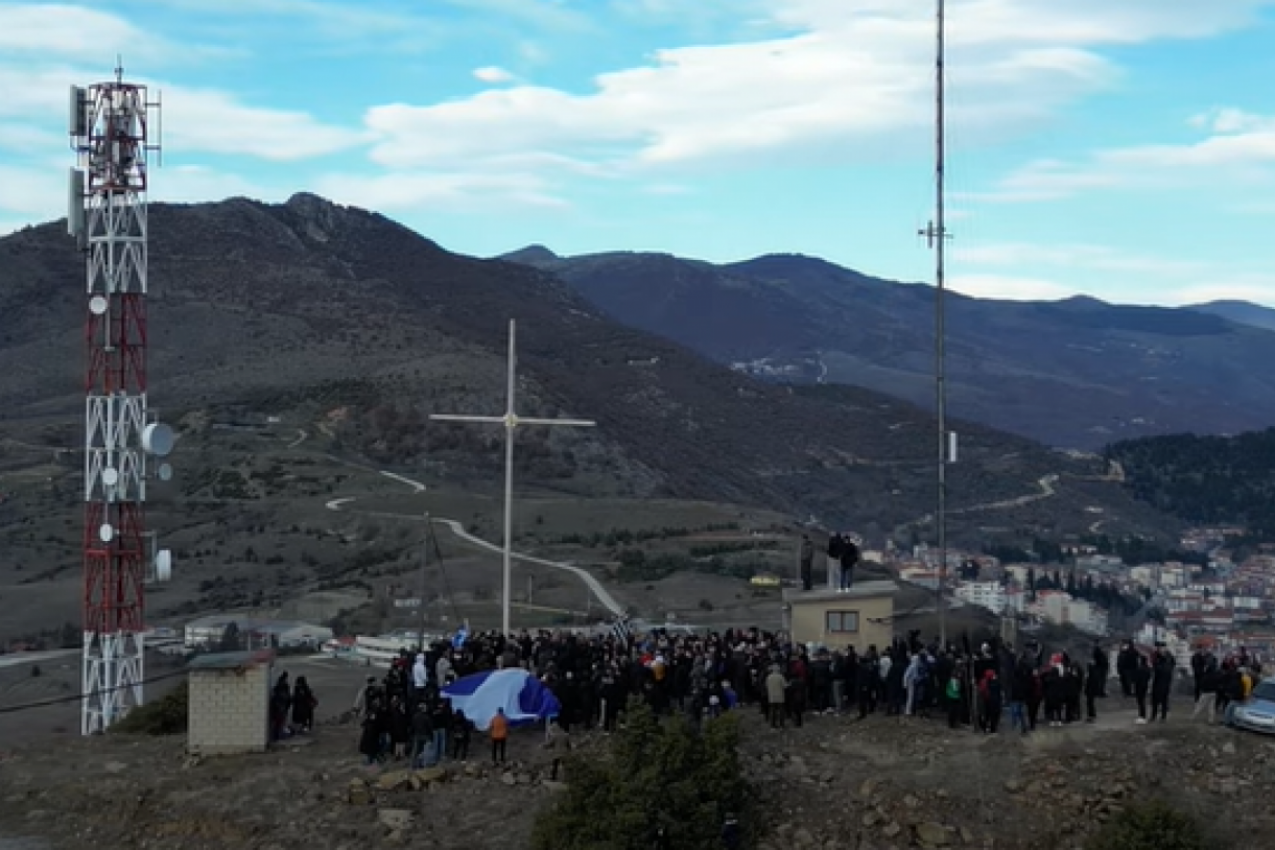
351, 321
836, 784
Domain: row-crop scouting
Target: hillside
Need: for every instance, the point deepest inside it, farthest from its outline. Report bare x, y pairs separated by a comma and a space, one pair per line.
1207, 480
346, 319
834, 784
1075, 373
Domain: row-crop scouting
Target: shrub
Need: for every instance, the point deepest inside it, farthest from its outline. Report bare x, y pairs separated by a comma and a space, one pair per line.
165, 716
1152, 825
658, 775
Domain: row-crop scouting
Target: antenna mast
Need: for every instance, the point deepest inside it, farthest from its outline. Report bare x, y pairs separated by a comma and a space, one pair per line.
936, 236
107, 215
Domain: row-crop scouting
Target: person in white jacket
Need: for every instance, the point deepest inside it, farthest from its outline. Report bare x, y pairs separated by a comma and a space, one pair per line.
911, 680
420, 677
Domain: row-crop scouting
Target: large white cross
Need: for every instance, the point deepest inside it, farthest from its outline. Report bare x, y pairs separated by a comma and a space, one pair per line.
511, 420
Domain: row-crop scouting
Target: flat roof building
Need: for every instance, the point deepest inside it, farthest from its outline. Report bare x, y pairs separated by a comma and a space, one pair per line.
862, 616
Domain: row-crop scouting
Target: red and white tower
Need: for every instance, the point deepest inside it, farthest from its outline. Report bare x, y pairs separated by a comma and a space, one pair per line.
109, 127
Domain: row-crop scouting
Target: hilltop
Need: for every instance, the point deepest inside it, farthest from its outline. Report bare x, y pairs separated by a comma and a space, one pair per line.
1073, 373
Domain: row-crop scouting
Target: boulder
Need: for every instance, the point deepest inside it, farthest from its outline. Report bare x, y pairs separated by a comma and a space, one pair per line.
933, 835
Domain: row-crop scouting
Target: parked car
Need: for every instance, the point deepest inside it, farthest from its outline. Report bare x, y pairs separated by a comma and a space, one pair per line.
1257, 713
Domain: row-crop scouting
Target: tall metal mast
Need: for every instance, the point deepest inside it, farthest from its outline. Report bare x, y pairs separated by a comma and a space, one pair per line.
936, 235
109, 129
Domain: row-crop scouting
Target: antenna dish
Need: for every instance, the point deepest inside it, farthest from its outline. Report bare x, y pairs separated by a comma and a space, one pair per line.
158, 439
110, 477
97, 305
163, 565
106, 533
165, 472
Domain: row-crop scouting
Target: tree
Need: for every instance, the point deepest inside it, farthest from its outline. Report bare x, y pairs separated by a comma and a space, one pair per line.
658, 775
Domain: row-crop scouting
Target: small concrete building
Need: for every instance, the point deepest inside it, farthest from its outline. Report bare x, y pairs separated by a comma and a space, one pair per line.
862, 616
230, 703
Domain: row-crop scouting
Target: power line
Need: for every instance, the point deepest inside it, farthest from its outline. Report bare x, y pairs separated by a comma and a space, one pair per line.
14, 709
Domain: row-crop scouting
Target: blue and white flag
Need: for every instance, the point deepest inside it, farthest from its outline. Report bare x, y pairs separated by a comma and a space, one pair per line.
458, 639
524, 698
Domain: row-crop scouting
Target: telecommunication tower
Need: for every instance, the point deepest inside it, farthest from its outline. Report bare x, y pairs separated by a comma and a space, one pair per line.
110, 127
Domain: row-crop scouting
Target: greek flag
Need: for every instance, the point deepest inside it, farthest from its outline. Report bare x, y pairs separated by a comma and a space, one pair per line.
622, 631
458, 639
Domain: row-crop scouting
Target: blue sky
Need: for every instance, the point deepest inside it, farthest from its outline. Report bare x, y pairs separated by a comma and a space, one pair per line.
1124, 150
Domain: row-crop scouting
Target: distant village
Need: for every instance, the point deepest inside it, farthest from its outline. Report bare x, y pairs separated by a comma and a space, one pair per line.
1221, 605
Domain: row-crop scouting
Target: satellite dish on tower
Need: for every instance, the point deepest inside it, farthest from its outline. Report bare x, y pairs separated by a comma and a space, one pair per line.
163, 565
158, 439
97, 305
110, 477
106, 532
165, 472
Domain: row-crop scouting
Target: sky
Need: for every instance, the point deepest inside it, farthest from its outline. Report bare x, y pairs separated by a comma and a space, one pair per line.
1121, 150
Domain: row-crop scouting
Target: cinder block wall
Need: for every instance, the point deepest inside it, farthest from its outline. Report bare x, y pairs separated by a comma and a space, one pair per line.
229, 711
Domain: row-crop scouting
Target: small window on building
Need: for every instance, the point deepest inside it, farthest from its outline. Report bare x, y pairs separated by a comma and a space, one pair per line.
841, 621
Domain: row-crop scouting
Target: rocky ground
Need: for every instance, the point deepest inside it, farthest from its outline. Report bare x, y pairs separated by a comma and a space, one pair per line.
836, 784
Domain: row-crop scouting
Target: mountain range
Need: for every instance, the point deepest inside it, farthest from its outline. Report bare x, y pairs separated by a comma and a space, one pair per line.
334, 315
1078, 373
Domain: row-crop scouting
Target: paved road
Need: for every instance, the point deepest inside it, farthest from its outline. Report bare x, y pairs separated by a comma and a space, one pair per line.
16, 659
457, 528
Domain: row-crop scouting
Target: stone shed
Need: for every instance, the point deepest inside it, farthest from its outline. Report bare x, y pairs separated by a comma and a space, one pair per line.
230, 702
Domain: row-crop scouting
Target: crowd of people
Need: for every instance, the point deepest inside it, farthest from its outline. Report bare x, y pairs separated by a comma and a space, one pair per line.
597, 677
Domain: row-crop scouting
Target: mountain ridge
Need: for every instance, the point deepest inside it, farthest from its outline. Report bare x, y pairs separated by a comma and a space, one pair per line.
1079, 372
340, 312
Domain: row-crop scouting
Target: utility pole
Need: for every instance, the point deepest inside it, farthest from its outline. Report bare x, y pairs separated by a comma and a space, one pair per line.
424, 565
936, 237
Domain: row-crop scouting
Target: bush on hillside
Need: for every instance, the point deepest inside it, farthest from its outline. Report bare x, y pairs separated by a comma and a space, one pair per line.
164, 716
1153, 825
658, 775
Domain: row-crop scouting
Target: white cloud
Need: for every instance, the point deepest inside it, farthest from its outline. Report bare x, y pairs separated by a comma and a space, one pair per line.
1008, 287
839, 78
545, 14
209, 121
1258, 288
196, 183
66, 31
1236, 145
494, 75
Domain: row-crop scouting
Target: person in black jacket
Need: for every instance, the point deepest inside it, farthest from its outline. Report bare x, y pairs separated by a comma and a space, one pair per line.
849, 557
1161, 683
462, 727
1095, 681
1127, 665
1141, 681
